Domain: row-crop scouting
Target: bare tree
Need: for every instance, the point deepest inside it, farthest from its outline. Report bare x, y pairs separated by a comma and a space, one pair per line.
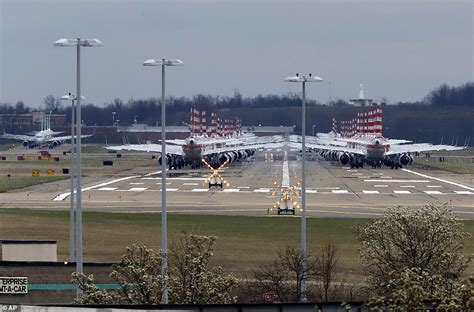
326, 268
285, 275
52, 103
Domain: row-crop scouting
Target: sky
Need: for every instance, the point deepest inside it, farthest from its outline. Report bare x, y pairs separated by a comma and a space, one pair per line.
400, 50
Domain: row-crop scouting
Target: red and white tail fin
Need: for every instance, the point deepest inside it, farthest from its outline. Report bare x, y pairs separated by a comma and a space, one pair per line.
196, 122
203, 123
213, 124
334, 126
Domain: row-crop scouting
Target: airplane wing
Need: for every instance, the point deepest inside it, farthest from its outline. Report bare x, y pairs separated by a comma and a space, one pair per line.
20, 137
421, 147
323, 147
67, 138
156, 148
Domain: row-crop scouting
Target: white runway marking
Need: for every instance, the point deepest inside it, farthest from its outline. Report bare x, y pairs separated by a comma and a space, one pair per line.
441, 180
243, 187
410, 186
171, 189
464, 192
159, 183
190, 183
310, 191
63, 196
380, 185
285, 180
398, 181
371, 192
152, 173
340, 191
433, 186
180, 179
138, 189
199, 190
231, 190
107, 189
261, 190
136, 183
402, 192
433, 192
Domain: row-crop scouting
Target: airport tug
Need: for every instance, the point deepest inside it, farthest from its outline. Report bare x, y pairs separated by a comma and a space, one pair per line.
215, 178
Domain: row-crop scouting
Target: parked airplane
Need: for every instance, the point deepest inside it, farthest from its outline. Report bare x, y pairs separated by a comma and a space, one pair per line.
361, 142
215, 146
43, 138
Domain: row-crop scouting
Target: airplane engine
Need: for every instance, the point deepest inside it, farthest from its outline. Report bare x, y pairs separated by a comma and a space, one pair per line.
405, 159
344, 158
56, 144
26, 143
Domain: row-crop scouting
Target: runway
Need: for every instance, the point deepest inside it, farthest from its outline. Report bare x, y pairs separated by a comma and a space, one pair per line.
332, 190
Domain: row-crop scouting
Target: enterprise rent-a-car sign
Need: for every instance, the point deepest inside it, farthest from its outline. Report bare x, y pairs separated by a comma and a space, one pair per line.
13, 285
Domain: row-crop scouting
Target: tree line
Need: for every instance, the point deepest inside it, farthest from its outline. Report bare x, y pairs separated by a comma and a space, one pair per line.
446, 112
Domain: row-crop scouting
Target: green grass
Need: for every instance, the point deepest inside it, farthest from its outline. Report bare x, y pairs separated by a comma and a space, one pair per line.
5, 147
452, 164
243, 244
16, 182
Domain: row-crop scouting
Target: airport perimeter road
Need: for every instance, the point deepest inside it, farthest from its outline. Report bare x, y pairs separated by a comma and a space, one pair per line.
332, 190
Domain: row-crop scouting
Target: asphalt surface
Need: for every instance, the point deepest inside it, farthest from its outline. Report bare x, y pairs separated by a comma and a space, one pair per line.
332, 190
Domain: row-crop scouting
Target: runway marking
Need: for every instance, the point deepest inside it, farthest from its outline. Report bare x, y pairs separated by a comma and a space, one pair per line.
199, 190
285, 180
63, 196
402, 192
180, 179
398, 181
371, 192
380, 185
357, 173
243, 187
262, 190
441, 180
107, 189
159, 183
231, 190
340, 191
310, 191
138, 189
464, 192
433, 186
433, 192
190, 183
171, 189
136, 183
152, 173
410, 186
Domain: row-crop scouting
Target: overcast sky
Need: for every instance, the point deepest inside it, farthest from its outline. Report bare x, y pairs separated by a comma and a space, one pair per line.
397, 49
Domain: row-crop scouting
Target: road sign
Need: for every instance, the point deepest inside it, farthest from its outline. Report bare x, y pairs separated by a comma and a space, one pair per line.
13, 285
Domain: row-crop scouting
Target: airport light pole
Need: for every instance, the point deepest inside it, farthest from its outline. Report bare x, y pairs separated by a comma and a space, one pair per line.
313, 129
164, 230
73, 147
303, 79
78, 43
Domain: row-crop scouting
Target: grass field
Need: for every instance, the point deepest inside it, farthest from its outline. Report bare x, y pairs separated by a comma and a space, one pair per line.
16, 182
243, 242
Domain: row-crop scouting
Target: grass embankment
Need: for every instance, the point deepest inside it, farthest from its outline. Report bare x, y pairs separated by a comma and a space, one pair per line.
16, 182
244, 243
461, 161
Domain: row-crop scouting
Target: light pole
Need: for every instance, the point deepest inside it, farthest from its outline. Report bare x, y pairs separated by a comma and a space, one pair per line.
313, 129
78, 43
113, 118
303, 79
164, 231
72, 98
